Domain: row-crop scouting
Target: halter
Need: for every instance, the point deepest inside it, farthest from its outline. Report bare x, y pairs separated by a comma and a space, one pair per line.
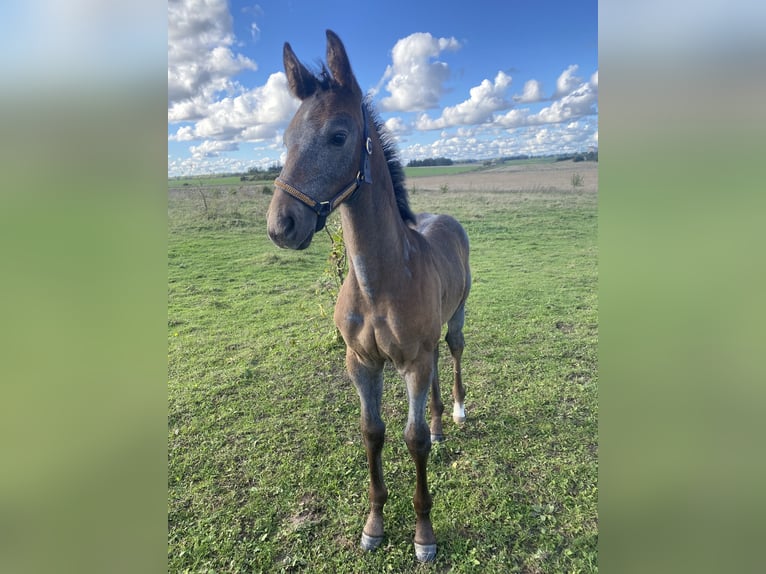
325, 208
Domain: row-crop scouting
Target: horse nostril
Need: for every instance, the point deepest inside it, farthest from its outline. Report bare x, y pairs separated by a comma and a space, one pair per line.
289, 225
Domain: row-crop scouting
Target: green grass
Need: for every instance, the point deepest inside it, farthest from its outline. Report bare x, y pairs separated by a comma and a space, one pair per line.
206, 181
234, 180
530, 161
266, 468
415, 172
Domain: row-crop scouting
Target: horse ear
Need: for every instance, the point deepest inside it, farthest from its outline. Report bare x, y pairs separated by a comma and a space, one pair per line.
337, 61
302, 83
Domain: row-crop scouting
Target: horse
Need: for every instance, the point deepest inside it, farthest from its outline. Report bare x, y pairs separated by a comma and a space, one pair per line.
407, 275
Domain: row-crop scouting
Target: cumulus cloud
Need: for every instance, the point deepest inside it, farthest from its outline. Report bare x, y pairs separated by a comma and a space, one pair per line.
580, 101
487, 142
485, 99
397, 126
513, 119
200, 59
254, 115
566, 125
567, 82
210, 148
573, 99
533, 92
415, 81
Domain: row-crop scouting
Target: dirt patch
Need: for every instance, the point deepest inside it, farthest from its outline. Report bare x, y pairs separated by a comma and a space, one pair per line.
307, 515
529, 177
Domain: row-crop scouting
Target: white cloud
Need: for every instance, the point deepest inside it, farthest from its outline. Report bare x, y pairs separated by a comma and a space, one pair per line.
218, 163
183, 134
257, 13
533, 92
198, 166
415, 82
490, 142
566, 82
397, 126
513, 119
581, 101
573, 99
200, 59
484, 100
210, 148
255, 115
566, 125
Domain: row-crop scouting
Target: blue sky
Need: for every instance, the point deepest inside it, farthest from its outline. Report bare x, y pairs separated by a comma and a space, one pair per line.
461, 80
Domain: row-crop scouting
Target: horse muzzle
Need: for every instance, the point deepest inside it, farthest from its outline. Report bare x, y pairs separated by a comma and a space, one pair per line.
290, 228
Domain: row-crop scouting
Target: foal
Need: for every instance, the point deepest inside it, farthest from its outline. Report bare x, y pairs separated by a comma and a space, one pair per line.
407, 275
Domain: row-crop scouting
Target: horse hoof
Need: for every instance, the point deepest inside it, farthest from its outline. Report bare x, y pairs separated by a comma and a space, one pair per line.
437, 438
458, 420
425, 552
370, 543
458, 413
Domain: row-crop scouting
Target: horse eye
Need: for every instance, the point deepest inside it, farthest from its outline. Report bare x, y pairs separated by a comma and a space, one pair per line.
339, 138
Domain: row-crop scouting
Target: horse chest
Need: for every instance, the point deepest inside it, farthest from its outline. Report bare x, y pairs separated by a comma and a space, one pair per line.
383, 334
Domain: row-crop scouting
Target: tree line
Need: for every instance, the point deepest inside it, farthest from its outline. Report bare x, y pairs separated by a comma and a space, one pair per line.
258, 174
429, 162
587, 156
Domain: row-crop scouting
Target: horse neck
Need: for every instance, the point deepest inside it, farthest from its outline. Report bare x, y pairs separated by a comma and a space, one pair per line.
373, 230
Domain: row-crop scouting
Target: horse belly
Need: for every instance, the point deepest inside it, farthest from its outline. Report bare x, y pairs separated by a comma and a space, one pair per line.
448, 246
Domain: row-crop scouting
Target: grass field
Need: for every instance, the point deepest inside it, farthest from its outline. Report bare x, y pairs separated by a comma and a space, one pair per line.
234, 180
440, 170
206, 181
266, 468
410, 172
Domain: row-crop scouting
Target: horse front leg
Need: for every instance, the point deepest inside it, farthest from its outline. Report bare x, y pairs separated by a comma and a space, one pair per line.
437, 406
418, 438
369, 385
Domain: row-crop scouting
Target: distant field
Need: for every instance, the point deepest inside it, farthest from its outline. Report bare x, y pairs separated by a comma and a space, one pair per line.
266, 468
515, 176
212, 180
411, 172
440, 170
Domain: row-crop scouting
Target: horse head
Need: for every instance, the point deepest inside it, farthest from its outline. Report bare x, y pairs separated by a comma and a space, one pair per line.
327, 147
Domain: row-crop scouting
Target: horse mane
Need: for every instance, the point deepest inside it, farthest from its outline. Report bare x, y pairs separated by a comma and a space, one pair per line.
325, 81
395, 168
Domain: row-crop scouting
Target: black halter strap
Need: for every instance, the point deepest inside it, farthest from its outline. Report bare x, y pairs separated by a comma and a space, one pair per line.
325, 208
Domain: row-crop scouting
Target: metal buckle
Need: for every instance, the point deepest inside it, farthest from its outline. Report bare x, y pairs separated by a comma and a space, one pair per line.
368, 146
324, 209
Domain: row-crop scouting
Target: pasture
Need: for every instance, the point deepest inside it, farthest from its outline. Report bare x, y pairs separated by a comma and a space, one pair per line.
440, 170
266, 467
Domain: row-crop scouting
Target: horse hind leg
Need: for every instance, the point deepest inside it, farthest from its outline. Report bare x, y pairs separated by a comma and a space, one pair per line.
456, 343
